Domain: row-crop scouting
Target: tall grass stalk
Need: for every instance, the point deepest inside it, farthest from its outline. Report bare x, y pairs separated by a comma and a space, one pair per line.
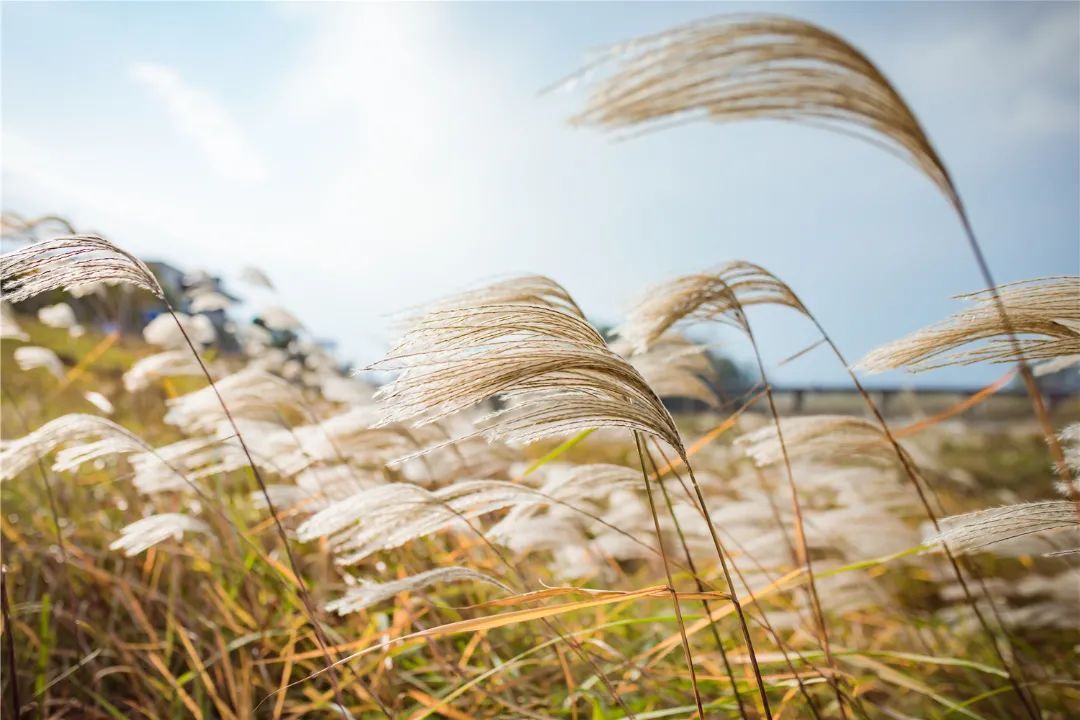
302, 590
764, 619
1027, 699
700, 586
800, 530
720, 553
9, 648
667, 571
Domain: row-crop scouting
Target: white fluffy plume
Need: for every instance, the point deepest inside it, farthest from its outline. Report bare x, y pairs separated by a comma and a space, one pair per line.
368, 593
9, 326
71, 262
976, 530
553, 368
19, 454
744, 67
1046, 311
145, 371
249, 393
388, 516
143, 534
820, 437
717, 295
165, 332
31, 357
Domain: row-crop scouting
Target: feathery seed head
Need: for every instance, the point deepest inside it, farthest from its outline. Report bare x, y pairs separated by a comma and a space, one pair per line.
70, 262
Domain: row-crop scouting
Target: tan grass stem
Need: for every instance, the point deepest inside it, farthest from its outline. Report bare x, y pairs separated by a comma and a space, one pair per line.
293, 564
764, 619
700, 586
667, 571
1028, 701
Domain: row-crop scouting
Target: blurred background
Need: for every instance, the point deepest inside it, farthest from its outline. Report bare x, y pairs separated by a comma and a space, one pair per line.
369, 158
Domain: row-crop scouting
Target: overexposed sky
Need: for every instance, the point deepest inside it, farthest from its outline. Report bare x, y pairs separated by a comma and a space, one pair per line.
370, 157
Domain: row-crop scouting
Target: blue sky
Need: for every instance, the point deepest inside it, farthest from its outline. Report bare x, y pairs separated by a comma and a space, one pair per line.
372, 157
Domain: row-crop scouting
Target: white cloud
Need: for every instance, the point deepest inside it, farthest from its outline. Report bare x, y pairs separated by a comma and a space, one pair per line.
203, 119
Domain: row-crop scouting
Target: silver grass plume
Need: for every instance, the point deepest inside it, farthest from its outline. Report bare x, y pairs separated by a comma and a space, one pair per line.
20, 454
575, 486
1052, 601
976, 530
517, 290
389, 516
1029, 601
249, 393
717, 295
9, 326
819, 437
278, 318
31, 357
209, 301
70, 262
674, 366
15, 227
60, 315
257, 277
367, 593
330, 483
144, 371
288, 497
143, 534
167, 330
554, 370
165, 468
1046, 308
99, 401
747, 67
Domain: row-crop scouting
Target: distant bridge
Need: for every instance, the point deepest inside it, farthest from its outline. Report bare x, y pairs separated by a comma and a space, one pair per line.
885, 396
809, 399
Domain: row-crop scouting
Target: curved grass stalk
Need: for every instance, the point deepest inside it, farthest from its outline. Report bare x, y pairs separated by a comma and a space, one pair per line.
721, 296
301, 585
1029, 702
801, 546
717, 295
759, 66
721, 553
79, 260
764, 621
550, 623
701, 588
671, 584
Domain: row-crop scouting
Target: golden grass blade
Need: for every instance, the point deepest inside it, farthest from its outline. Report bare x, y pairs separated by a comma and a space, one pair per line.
492, 622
